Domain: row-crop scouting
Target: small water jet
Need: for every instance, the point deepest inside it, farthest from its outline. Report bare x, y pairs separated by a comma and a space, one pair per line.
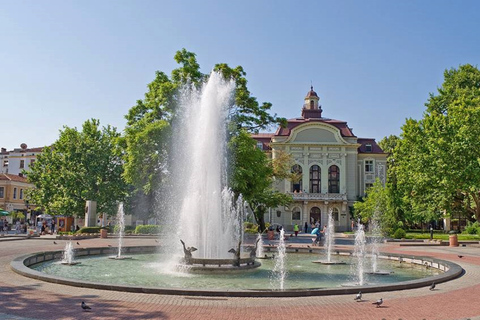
279, 272
121, 233
359, 254
375, 240
260, 251
69, 255
329, 241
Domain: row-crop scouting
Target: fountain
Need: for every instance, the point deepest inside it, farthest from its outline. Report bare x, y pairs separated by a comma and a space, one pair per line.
359, 254
205, 230
205, 212
374, 243
279, 272
329, 241
121, 233
69, 255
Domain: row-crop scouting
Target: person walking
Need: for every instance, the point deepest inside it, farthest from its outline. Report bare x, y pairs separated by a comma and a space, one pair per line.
305, 227
296, 229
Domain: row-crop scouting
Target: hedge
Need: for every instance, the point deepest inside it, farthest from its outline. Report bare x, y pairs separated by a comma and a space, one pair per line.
147, 229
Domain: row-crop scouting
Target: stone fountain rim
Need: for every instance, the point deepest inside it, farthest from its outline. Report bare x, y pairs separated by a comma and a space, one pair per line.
21, 265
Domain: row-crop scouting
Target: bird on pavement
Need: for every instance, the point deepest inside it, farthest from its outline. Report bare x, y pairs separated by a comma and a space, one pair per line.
78, 243
54, 242
378, 302
460, 256
110, 245
358, 297
432, 287
85, 307
156, 241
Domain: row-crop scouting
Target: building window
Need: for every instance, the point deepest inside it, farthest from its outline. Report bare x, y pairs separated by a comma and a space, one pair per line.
369, 166
5, 163
22, 164
368, 186
279, 213
335, 214
296, 214
368, 147
32, 162
333, 179
297, 178
2, 192
260, 145
312, 104
315, 215
315, 180
21, 194
14, 193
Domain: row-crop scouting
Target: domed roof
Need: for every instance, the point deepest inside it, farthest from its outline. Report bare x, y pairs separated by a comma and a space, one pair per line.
311, 93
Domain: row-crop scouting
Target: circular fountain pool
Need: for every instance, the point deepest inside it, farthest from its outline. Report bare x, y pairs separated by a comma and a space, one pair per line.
145, 273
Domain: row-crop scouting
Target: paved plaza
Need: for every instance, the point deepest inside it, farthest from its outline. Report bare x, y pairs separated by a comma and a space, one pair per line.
25, 298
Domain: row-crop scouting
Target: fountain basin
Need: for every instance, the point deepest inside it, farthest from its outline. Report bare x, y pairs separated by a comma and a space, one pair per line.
329, 262
70, 263
21, 266
199, 265
120, 257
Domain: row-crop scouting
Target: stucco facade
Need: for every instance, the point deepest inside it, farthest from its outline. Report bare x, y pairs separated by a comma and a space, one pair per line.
334, 167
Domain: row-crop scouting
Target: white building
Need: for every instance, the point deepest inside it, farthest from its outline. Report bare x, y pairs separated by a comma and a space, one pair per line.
335, 167
19, 159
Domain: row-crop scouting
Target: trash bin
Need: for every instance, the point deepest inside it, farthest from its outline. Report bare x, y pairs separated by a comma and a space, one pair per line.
453, 240
103, 233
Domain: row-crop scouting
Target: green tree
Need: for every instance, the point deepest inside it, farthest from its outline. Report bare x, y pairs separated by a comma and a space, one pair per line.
437, 157
79, 166
148, 131
377, 204
254, 176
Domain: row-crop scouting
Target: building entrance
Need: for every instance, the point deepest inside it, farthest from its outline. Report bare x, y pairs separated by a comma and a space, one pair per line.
315, 214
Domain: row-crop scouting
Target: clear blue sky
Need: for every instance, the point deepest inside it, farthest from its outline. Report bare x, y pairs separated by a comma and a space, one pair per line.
373, 63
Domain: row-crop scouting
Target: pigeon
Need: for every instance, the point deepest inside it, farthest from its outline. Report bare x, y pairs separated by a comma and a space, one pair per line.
460, 256
85, 307
358, 297
156, 241
432, 287
308, 246
78, 243
378, 302
54, 242
110, 245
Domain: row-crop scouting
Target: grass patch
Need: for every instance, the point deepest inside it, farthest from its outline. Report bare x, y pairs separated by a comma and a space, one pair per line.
440, 236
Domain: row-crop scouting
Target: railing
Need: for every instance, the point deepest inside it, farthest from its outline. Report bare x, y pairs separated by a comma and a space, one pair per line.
319, 196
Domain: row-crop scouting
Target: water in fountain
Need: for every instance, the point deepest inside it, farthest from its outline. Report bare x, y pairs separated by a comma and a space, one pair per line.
329, 235
260, 251
279, 272
68, 254
121, 228
359, 254
374, 243
206, 214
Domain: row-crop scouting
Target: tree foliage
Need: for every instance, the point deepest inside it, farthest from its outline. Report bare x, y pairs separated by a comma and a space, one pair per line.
254, 175
79, 166
148, 131
437, 160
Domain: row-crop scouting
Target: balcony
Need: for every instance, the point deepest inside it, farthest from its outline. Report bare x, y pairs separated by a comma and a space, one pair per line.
305, 196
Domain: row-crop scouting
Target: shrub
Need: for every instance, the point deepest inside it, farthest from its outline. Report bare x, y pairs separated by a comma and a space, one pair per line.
472, 228
147, 229
248, 225
89, 230
399, 233
128, 229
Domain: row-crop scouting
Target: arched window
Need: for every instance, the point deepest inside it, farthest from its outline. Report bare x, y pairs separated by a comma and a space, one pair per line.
297, 178
296, 213
312, 104
333, 179
315, 180
315, 214
335, 214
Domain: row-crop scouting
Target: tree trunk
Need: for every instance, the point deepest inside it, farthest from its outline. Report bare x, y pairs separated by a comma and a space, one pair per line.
260, 218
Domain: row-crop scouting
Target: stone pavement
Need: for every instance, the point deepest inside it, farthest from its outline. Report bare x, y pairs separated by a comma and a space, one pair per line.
29, 299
